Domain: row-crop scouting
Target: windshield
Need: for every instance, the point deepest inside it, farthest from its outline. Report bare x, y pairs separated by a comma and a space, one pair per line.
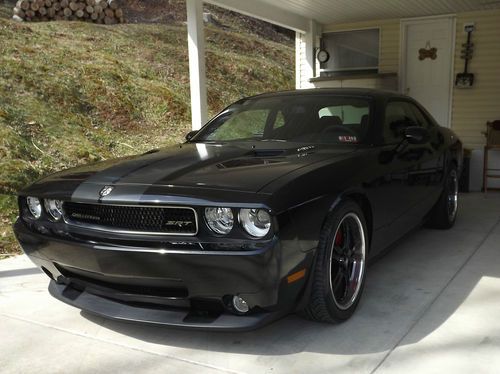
307, 118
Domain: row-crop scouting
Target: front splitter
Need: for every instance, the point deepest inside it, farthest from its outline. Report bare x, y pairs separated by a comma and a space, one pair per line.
174, 317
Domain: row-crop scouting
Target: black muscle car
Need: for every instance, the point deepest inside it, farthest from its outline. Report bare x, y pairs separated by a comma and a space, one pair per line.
276, 205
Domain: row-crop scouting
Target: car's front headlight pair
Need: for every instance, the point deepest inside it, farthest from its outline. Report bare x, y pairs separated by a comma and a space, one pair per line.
256, 222
52, 206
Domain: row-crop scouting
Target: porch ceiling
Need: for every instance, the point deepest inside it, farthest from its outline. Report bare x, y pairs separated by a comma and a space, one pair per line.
341, 11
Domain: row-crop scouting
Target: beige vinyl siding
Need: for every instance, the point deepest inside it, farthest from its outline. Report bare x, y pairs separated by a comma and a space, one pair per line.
389, 40
473, 107
302, 73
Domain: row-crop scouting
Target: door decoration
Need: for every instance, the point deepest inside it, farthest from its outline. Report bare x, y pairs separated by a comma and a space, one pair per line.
427, 52
466, 79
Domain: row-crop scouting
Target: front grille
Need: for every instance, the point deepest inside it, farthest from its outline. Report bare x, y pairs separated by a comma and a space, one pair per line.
135, 219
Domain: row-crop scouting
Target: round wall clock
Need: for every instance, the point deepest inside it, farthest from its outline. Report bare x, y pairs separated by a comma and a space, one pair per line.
322, 56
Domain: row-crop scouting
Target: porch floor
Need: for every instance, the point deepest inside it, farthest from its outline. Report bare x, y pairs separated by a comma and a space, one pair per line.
430, 305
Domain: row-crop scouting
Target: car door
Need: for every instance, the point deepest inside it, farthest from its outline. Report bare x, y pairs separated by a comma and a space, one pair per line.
428, 177
402, 175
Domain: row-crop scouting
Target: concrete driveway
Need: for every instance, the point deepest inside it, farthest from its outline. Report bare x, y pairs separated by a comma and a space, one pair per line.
432, 305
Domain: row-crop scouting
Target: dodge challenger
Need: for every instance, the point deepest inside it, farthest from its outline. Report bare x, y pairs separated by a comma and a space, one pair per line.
275, 206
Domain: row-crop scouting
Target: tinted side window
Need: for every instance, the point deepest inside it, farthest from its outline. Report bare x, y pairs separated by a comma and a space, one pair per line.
279, 121
419, 116
398, 116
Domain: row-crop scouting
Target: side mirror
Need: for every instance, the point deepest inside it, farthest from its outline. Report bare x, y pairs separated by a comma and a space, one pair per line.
416, 135
191, 134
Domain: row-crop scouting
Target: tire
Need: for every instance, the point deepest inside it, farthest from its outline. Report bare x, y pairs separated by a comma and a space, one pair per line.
330, 299
444, 213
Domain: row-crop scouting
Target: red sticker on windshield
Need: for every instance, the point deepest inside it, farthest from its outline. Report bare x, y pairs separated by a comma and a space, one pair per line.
348, 139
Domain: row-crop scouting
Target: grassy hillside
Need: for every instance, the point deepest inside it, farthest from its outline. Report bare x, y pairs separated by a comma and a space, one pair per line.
73, 93
173, 12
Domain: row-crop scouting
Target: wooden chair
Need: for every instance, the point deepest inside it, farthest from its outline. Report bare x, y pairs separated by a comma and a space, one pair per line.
492, 143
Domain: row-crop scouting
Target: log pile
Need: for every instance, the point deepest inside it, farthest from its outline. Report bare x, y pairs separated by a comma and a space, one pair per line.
97, 11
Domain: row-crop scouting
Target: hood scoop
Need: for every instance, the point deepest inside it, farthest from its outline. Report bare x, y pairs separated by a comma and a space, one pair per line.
243, 162
267, 152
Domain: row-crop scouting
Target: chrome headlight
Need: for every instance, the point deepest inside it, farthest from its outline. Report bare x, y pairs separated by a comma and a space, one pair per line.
256, 222
54, 208
34, 206
220, 220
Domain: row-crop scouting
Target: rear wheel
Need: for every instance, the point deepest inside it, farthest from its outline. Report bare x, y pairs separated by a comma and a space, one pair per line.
444, 213
340, 266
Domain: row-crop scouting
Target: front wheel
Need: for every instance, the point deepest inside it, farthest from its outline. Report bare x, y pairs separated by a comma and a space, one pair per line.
444, 213
340, 266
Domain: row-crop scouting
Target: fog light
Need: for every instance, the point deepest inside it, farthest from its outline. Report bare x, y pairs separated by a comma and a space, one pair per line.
240, 305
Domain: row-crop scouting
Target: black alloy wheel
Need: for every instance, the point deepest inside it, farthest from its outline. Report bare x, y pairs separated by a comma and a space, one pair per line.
340, 266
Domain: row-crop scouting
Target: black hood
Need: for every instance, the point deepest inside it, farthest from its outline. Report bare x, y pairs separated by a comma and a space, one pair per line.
244, 167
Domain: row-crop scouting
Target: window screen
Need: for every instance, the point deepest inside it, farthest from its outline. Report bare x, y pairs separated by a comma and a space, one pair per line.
351, 51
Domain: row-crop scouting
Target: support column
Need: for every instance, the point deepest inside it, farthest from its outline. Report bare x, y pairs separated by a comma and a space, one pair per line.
197, 70
310, 39
298, 60
305, 55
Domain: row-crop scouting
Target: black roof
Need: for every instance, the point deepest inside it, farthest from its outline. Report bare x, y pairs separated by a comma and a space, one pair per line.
367, 92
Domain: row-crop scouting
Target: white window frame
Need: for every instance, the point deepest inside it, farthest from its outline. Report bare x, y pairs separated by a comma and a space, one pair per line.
350, 30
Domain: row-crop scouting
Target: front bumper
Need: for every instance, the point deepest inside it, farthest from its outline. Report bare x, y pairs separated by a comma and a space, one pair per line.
168, 287
113, 309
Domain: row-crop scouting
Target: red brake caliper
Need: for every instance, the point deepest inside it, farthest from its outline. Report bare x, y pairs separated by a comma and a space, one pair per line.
339, 238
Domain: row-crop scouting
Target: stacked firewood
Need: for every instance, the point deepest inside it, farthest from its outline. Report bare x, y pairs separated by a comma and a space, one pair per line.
98, 11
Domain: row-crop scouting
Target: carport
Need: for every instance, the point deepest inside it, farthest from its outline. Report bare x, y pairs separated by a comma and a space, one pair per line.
430, 306
377, 44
